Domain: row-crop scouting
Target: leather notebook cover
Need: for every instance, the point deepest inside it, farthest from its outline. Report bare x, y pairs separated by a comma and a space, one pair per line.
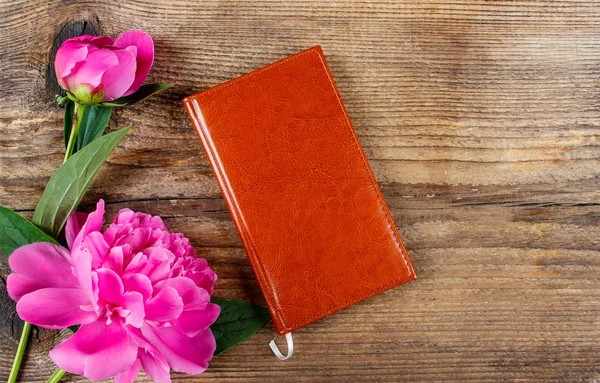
303, 197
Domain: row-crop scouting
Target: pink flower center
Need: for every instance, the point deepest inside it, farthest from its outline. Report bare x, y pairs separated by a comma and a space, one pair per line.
111, 309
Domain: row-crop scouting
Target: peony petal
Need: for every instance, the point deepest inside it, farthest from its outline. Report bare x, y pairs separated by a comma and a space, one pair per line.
155, 365
97, 246
155, 222
55, 308
129, 375
114, 260
205, 279
94, 222
138, 238
202, 275
192, 322
91, 70
39, 265
142, 342
158, 264
155, 368
110, 286
198, 313
145, 55
139, 283
137, 219
73, 53
134, 303
164, 306
137, 263
68, 55
193, 297
74, 224
125, 216
97, 41
119, 77
97, 351
184, 354
19, 285
82, 266
82, 259
114, 233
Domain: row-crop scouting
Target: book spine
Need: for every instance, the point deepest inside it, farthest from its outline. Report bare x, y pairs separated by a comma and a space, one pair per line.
195, 113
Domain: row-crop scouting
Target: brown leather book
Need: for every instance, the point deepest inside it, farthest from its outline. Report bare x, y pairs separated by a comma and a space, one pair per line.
303, 197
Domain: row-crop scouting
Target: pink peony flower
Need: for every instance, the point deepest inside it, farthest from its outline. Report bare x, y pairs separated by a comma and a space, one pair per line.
140, 294
98, 68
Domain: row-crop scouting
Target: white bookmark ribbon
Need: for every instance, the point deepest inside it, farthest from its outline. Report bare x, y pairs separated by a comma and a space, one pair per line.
290, 347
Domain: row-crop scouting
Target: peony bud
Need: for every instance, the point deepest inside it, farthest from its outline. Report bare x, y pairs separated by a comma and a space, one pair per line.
93, 69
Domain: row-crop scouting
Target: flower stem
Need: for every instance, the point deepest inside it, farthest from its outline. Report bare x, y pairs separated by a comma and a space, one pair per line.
12, 378
55, 378
79, 110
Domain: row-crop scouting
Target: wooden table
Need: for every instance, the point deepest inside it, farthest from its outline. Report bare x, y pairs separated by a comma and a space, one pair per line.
480, 119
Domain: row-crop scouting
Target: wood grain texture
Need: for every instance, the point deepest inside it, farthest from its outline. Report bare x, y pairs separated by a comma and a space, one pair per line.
481, 120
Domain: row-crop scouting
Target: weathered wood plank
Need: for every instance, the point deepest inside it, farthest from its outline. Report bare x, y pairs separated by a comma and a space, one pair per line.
481, 121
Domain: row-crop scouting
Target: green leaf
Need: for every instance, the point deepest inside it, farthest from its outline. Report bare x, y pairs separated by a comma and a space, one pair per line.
61, 100
68, 124
237, 322
94, 121
70, 182
16, 231
143, 93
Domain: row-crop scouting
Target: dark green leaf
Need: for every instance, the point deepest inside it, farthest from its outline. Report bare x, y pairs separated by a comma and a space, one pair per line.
16, 231
237, 322
144, 92
68, 185
68, 122
74, 328
94, 121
